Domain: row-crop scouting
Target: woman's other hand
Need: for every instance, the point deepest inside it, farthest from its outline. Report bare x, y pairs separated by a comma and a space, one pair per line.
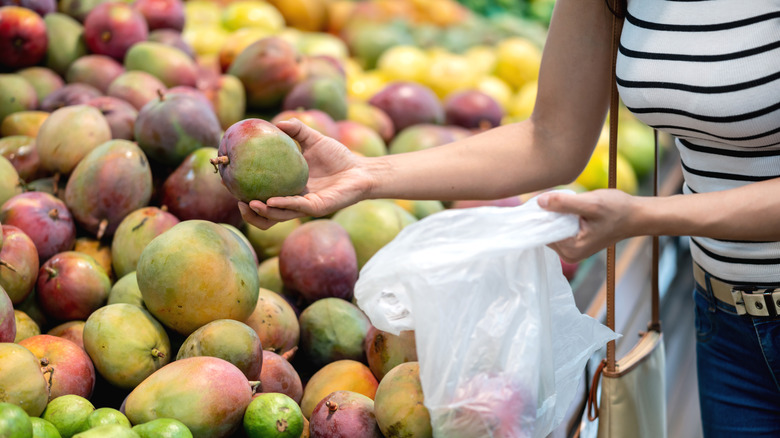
336, 180
606, 217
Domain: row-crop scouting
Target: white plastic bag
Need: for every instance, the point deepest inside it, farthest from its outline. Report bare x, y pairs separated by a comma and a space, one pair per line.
500, 342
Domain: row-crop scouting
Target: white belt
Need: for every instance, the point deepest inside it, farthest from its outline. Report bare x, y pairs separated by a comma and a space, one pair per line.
748, 300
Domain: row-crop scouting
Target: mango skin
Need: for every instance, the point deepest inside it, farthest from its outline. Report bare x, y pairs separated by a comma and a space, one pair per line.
132, 235
398, 403
263, 161
342, 375
195, 273
209, 395
170, 65
68, 135
125, 344
112, 430
226, 339
173, 126
163, 428
275, 322
22, 382
333, 329
109, 183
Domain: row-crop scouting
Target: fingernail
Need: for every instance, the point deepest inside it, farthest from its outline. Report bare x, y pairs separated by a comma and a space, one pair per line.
543, 201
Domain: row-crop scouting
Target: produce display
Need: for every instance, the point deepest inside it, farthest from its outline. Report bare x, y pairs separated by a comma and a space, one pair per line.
134, 300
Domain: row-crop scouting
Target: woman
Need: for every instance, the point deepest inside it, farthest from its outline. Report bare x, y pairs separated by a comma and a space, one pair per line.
708, 72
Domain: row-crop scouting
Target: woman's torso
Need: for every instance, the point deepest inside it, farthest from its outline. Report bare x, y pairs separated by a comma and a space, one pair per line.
708, 72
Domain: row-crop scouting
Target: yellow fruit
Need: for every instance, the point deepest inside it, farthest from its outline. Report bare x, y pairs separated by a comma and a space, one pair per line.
517, 61
252, 13
352, 67
404, 63
237, 41
483, 58
595, 175
497, 89
522, 104
198, 13
366, 85
292, 36
205, 40
320, 43
448, 73
311, 15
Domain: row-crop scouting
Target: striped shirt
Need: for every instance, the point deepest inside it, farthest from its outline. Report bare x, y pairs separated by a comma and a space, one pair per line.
708, 72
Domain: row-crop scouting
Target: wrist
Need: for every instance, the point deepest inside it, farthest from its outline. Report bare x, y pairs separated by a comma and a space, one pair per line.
374, 172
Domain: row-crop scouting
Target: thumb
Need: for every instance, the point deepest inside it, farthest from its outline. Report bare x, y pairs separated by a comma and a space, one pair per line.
300, 132
564, 203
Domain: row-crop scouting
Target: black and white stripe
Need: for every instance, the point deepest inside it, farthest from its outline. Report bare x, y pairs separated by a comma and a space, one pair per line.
708, 72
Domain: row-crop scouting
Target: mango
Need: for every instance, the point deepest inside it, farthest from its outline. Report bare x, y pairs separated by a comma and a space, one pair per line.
16, 94
257, 160
195, 273
126, 290
268, 68
342, 375
226, 339
126, 344
371, 224
22, 381
207, 394
132, 235
318, 261
68, 135
194, 191
333, 329
344, 414
66, 41
385, 351
109, 183
168, 64
275, 322
173, 126
399, 404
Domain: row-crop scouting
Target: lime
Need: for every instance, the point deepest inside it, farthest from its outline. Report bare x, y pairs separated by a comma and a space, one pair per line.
104, 416
14, 422
273, 415
108, 431
68, 413
163, 428
43, 429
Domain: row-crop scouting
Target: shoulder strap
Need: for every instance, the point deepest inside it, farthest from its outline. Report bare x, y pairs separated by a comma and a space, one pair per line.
614, 106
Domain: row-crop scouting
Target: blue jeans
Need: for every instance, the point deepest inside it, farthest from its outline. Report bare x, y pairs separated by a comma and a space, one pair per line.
738, 364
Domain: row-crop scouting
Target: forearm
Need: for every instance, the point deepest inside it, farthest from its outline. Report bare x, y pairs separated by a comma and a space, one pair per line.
502, 162
736, 214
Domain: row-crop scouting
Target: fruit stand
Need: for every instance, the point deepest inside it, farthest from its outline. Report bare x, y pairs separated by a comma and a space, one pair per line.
134, 299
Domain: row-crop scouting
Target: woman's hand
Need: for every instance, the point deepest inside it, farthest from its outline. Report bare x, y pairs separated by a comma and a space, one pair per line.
606, 217
336, 180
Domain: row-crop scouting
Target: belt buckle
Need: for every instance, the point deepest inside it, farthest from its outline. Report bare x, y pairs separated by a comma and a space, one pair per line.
756, 301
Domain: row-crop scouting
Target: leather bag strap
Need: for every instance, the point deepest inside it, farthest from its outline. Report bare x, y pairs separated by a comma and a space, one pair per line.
614, 107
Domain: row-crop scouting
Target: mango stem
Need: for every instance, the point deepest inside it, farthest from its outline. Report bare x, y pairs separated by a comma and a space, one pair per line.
102, 228
332, 406
287, 355
257, 386
51, 271
160, 94
54, 214
222, 159
157, 353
